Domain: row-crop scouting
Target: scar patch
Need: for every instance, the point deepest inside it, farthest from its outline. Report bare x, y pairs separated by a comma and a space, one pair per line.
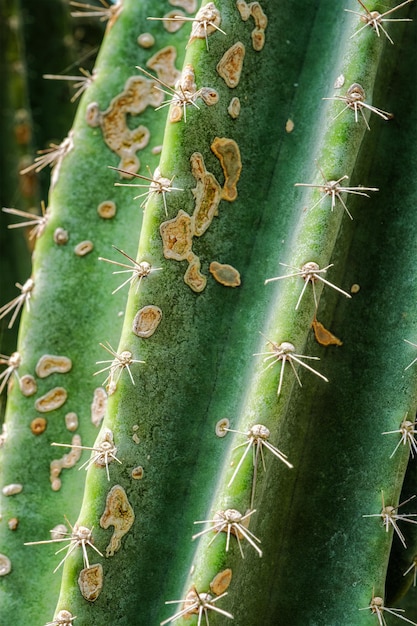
139, 92
177, 236
186, 93
28, 385
98, 406
146, 321
49, 364
65, 462
172, 21
323, 336
207, 195
83, 248
230, 65
234, 108
52, 400
38, 425
221, 581
193, 277
225, 274
255, 10
188, 5
118, 513
90, 582
106, 209
228, 153
163, 63
5, 565
177, 233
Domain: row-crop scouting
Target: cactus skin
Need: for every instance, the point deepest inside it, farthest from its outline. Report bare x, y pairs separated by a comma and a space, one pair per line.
72, 310
319, 554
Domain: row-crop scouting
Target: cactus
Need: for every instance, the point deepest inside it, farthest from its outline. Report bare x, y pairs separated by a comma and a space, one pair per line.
256, 457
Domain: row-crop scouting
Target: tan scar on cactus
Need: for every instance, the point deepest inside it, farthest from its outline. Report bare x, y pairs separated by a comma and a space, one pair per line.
177, 240
206, 22
225, 274
185, 93
193, 277
106, 209
146, 40
90, 582
163, 63
234, 108
139, 93
188, 5
52, 400
98, 406
255, 10
83, 248
5, 565
38, 425
28, 385
173, 20
221, 581
71, 421
49, 364
65, 462
323, 336
177, 236
228, 153
118, 513
207, 195
230, 65
146, 321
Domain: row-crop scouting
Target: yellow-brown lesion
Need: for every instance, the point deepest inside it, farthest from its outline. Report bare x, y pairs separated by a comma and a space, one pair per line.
221, 581
207, 195
98, 406
185, 93
323, 336
146, 321
188, 5
230, 65
90, 582
193, 276
139, 93
228, 153
260, 19
51, 400
206, 22
225, 274
177, 233
65, 462
119, 514
163, 63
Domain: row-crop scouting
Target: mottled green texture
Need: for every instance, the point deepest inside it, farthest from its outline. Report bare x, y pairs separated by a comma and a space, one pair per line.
314, 237
321, 559
71, 311
307, 506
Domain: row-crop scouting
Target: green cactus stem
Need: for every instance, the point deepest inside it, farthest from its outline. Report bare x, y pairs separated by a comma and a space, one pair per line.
53, 393
218, 376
